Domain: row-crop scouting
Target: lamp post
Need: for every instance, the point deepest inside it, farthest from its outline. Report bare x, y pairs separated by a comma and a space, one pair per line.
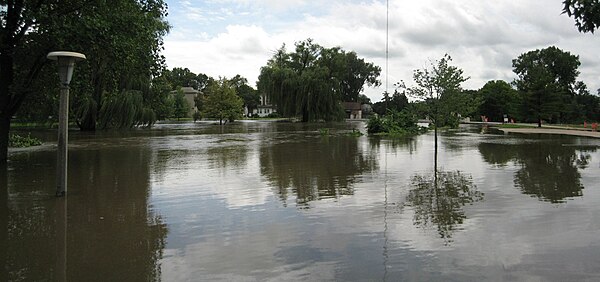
66, 63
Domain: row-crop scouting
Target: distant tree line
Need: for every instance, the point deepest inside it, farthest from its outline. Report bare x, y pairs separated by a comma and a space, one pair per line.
546, 90
215, 96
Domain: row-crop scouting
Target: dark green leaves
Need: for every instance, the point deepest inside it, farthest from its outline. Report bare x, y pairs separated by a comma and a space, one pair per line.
585, 12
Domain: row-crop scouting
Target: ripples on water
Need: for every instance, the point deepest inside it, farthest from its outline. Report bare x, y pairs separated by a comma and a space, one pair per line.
277, 201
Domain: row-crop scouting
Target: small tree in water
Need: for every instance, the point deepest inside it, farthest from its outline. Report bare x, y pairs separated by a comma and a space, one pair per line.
222, 103
438, 86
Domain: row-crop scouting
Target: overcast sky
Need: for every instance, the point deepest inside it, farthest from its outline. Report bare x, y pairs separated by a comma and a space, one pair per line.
229, 37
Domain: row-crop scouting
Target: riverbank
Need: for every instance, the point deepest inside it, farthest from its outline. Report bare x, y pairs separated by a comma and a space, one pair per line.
561, 131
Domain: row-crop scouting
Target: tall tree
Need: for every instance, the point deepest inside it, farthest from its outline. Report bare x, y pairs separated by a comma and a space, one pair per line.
183, 77
312, 81
248, 94
221, 102
122, 40
585, 12
355, 74
546, 79
499, 98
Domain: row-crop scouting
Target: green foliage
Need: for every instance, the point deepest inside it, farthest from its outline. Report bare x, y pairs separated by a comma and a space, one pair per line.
394, 123
585, 12
324, 131
18, 141
197, 116
121, 39
312, 81
274, 115
355, 133
249, 95
160, 99
183, 77
397, 102
181, 106
546, 80
222, 103
440, 87
85, 111
125, 110
499, 98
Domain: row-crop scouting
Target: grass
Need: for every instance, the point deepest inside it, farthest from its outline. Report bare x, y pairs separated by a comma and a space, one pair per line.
514, 125
34, 124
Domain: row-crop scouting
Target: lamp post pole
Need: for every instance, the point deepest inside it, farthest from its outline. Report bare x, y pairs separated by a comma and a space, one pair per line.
66, 64
63, 139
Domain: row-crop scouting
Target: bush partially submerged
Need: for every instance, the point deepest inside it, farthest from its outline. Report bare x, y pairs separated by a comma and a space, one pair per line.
18, 141
395, 123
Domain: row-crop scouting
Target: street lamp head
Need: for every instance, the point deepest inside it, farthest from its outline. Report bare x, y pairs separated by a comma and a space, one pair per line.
66, 63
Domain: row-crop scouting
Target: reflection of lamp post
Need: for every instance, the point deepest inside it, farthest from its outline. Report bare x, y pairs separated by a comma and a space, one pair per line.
66, 63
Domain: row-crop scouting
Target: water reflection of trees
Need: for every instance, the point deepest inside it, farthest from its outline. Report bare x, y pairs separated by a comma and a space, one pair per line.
111, 234
314, 168
548, 171
438, 198
408, 144
228, 156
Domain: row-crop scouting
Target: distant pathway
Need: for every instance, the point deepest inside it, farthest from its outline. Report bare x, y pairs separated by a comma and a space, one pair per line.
534, 130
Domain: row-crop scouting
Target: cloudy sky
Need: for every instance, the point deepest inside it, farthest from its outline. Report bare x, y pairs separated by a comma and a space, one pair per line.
229, 37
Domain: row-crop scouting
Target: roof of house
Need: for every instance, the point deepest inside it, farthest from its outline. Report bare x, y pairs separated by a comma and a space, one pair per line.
354, 106
187, 90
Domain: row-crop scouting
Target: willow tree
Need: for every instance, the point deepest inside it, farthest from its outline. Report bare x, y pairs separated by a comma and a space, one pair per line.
312, 81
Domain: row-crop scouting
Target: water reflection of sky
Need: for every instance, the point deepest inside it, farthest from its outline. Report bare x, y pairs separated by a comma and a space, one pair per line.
270, 201
228, 220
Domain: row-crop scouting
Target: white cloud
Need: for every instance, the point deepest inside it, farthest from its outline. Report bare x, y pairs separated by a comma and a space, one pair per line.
482, 36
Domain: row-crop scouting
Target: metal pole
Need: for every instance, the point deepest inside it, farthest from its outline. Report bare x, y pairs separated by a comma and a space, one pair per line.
63, 137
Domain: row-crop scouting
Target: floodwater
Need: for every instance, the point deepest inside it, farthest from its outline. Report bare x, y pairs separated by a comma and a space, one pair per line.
279, 201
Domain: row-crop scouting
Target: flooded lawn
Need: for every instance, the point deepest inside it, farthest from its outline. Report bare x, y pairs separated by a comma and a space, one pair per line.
284, 202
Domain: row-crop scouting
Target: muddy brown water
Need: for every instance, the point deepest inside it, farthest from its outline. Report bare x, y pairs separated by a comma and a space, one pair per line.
279, 201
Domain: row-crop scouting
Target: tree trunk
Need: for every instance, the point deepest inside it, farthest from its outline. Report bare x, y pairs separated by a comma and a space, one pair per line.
3, 222
539, 122
4, 130
304, 115
6, 80
435, 138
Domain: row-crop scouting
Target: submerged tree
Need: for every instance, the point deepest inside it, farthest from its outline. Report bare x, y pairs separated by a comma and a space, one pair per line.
125, 110
221, 102
122, 40
439, 87
312, 81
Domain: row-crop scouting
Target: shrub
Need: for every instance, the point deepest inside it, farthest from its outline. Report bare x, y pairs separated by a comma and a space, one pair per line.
18, 141
394, 123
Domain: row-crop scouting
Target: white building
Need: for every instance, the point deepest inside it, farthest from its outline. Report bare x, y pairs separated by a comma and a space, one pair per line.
264, 108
